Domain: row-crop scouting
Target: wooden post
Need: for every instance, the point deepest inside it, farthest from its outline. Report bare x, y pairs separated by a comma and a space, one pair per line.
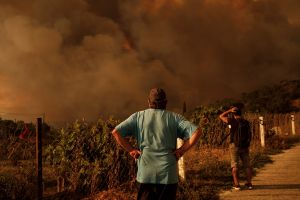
38, 145
293, 124
262, 131
180, 162
60, 184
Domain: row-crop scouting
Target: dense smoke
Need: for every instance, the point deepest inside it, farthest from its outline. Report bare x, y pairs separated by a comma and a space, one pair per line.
90, 58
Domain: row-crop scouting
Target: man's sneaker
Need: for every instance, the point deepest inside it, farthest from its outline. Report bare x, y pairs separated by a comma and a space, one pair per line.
236, 187
249, 186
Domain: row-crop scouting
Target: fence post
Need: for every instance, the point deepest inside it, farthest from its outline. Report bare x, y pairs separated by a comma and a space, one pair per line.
262, 131
293, 124
60, 184
38, 146
181, 161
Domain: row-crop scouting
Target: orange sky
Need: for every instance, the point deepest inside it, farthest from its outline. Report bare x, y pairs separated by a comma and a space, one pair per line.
90, 58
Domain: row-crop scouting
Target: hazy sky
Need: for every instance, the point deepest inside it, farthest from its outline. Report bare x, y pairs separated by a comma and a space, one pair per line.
90, 58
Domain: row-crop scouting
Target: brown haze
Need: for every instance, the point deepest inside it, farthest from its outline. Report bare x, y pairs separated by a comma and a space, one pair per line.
90, 58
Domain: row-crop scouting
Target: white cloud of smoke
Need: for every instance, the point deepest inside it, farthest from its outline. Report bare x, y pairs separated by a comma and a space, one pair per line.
91, 58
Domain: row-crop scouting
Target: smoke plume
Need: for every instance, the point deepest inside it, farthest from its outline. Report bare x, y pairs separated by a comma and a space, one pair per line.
90, 58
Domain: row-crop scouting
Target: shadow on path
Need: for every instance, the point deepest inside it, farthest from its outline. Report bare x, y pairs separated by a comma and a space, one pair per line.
277, 186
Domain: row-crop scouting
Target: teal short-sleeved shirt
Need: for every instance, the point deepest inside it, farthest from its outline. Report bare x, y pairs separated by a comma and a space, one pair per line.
156, 132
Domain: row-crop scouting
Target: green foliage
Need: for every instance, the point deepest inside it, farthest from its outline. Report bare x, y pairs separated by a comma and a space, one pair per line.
18, 150
214, 130
13, 128
273, 99
11, 147
89, 159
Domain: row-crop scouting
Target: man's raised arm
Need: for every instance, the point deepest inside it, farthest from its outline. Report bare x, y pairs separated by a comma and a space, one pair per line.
224, 115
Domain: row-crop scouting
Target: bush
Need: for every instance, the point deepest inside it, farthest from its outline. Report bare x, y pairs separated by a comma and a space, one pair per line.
214, 130
88, 158
275, 142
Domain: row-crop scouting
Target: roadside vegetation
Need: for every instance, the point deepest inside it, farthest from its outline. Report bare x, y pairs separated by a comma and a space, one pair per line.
84, 159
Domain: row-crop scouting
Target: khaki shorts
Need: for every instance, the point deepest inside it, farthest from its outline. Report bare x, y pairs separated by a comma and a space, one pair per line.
236, 153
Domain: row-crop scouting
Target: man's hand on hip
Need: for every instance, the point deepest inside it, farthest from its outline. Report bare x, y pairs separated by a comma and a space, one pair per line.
178, 153
135, 153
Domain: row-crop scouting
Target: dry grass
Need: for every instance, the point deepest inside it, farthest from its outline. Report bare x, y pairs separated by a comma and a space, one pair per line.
113, 194
208, 171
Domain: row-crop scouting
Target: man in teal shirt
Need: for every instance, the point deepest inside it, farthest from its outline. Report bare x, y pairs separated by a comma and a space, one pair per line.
156, 131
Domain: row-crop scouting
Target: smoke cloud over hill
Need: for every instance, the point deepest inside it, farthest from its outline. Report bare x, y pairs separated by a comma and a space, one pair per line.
91, 58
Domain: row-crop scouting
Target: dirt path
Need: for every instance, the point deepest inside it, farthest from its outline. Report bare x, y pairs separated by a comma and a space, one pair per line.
276, 181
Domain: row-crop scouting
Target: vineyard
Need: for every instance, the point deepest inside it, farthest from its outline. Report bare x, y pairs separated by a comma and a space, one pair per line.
82, 160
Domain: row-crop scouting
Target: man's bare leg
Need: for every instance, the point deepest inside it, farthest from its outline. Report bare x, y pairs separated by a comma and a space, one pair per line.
235, 176
249, 178
249, 174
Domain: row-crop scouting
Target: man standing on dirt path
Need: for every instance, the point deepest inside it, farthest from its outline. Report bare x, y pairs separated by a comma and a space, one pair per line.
156, 131
240, 138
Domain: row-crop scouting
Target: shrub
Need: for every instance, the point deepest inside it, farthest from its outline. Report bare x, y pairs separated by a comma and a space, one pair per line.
88, 158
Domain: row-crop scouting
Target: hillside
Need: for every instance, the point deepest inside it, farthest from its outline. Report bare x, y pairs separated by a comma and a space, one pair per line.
279, 98
283, 97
